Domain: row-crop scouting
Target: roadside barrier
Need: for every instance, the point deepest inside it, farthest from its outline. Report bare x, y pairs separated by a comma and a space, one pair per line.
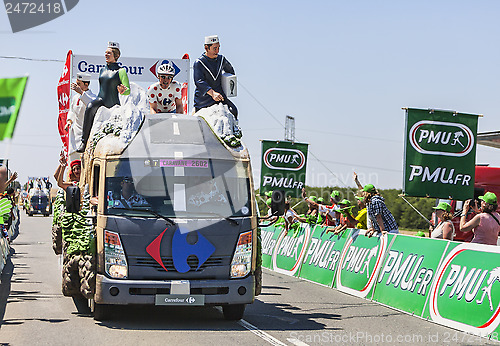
450, 283
4, 244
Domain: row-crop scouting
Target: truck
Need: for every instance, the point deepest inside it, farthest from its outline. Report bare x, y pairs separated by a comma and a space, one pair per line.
38, 202
169, 220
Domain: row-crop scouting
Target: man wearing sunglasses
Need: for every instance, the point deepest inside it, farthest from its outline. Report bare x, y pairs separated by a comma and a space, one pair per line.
129, 197
165, 95
74, 121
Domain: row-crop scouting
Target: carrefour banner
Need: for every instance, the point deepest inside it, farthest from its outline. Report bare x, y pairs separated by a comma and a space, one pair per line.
440, 153
11, 95
283, 167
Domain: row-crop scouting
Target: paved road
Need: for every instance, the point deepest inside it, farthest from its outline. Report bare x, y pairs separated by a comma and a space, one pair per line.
289, 312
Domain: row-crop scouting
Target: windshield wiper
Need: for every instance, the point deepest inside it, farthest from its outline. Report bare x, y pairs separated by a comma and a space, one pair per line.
228, 218
151, 211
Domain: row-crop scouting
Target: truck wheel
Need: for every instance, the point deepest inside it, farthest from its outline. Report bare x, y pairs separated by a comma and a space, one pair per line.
86, 269
101, 312
57, 239
233, 312
70, 276
258, 280
81, 304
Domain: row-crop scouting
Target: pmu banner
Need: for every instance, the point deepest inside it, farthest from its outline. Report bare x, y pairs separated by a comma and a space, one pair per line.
465, 293
405, 279
440, 153
283, 167
11, 96
64, 100
322, 255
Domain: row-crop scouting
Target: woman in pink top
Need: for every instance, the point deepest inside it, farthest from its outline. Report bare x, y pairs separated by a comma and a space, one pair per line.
485, 225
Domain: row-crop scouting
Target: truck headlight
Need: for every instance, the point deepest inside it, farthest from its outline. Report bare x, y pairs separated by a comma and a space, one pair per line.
114, 256
242, 258
48, 208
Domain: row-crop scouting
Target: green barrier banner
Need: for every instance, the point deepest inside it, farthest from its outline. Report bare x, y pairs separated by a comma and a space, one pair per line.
440, 153
11, 95
290, 249
269, 237
405, 279
283, 167
466, 292
322, 255
360, 263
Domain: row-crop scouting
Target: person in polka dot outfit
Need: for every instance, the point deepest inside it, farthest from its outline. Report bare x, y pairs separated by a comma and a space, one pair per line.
165, 95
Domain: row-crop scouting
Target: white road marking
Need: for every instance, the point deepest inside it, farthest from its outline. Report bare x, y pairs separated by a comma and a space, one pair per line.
178, 171
179, 197
270, 339
176, 129
296, 342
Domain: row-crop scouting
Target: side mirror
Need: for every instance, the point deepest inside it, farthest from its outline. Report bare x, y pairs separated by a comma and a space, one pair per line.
278, 203
73, 199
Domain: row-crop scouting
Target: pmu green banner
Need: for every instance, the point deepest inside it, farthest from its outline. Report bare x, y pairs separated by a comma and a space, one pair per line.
290, 249
440, 153
283, 167
465, 293
11, 95
322, 255
406, 276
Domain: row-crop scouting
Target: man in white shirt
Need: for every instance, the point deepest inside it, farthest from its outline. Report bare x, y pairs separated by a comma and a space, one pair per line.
74, 122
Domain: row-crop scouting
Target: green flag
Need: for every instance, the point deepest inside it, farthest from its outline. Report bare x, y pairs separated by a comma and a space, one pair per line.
11, 95
440, 154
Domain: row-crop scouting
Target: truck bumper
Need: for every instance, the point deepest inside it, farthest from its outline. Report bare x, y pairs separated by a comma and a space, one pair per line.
216, 292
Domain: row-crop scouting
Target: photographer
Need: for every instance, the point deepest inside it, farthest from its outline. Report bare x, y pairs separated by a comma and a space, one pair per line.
486, 224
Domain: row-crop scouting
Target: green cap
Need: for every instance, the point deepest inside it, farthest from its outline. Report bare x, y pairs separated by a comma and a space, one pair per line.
420, 234
359, 198
369, 188
443, 206
345, 202
489, 197
335, 194
268, 202
313, 198
268, 193
321, 200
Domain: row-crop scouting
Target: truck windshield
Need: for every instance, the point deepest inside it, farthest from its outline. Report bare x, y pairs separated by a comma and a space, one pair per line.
201, 188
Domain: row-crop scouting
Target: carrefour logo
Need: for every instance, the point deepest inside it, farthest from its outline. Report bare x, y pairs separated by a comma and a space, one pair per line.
441, 138
462, 287
285, 159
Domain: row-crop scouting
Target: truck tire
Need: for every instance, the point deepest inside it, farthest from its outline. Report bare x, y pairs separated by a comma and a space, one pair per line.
233, 312
70, 276
57, 239
86, 268
258, 280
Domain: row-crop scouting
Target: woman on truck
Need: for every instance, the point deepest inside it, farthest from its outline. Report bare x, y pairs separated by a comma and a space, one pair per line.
486, 224
74, 173
445, 228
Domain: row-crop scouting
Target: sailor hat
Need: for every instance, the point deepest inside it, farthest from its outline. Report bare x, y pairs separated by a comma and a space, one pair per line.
84, 77
113, 45
211, 39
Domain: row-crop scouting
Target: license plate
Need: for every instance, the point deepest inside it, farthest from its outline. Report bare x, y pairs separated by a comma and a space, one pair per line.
180, 299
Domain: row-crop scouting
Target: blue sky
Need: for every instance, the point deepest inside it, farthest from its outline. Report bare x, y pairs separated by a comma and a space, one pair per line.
343, 69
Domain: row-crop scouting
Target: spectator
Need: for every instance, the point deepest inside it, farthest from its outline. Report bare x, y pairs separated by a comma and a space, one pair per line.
207, 71
331, 212
113, 79
291, 217
360, 221
486, 224
445, 228
165, 95
379, 215
74, 122
346, 217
